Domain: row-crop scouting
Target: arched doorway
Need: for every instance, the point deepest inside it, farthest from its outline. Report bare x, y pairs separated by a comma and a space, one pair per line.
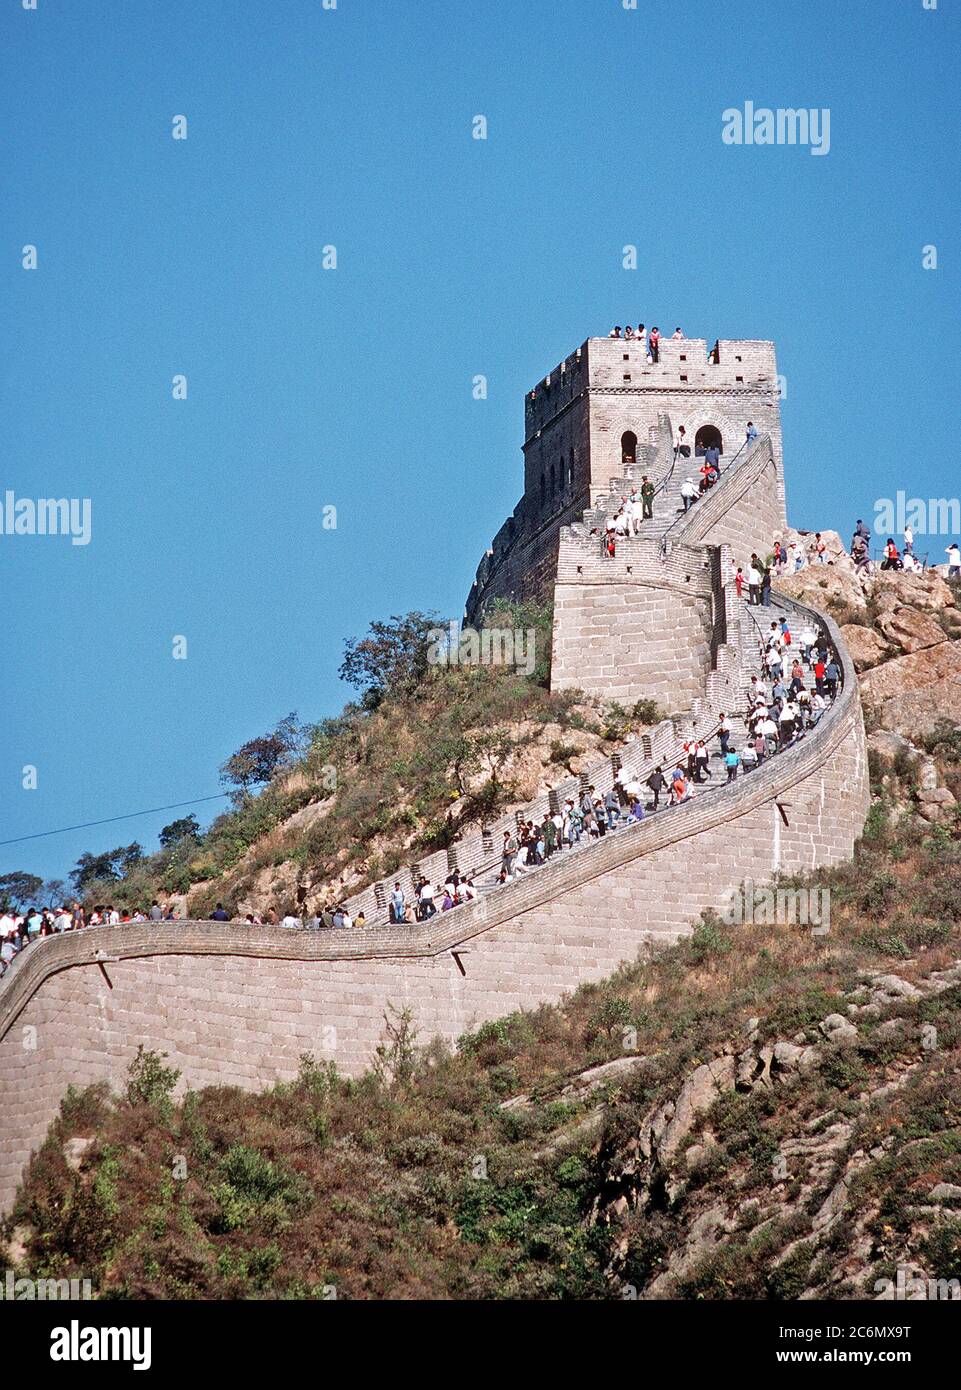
628, 447
708, 436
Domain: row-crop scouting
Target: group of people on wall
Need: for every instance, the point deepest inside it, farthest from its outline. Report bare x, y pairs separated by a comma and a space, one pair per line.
653, 337
639, 334
800, 677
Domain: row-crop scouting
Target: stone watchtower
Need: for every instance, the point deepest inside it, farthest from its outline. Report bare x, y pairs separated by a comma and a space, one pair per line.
605, 416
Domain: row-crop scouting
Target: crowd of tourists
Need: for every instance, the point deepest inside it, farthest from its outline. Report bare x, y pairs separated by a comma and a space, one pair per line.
637, 505
801, 677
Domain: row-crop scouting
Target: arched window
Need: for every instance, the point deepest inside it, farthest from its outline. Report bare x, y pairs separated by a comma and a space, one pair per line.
628, 447
708, 436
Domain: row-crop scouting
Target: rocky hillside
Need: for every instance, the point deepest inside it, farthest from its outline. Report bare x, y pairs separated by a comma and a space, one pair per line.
904, 634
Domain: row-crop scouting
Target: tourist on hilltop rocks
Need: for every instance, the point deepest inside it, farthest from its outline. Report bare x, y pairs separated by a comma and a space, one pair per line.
647, 499
892, 558
657, 783
818, 549
859, 554
689, 492
954, 561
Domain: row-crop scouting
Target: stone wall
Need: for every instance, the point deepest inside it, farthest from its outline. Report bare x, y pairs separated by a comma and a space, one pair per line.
744, 511
635, 626
231, 1004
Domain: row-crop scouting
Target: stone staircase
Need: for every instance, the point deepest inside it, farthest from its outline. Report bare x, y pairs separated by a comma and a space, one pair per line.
668, 506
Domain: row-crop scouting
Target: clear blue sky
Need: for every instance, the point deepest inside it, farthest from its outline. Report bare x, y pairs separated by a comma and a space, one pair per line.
353, 387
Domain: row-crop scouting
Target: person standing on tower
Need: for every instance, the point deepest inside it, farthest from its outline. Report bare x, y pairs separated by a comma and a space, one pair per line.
654, 343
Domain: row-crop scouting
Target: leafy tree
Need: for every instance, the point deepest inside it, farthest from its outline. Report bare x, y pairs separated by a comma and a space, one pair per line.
114, 863
19, 889
53, 893
255, 763
392, 658
186, 828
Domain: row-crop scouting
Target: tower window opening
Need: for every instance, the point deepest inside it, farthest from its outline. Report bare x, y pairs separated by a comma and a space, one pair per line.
628, 447
708, 437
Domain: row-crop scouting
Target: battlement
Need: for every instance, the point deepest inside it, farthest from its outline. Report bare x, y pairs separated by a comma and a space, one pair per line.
621, 365
606, 413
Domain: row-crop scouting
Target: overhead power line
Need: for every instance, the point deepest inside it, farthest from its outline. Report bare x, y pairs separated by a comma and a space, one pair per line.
131, 815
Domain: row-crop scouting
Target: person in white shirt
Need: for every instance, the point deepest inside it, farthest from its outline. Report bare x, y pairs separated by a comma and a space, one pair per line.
688, 492
290, 921
954, 561
754, 580
622, 525
908, 540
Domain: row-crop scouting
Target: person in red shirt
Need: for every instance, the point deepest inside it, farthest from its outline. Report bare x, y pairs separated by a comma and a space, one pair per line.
739, 581
819, 676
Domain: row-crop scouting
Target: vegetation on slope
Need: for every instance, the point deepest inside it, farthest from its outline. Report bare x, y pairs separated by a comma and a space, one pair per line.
426, 751
417, 1181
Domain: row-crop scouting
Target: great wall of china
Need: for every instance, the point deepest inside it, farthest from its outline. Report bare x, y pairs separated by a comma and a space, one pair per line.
236, 1004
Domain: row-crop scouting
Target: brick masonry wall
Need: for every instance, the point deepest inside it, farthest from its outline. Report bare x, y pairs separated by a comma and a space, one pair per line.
745, 511
238, 1006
